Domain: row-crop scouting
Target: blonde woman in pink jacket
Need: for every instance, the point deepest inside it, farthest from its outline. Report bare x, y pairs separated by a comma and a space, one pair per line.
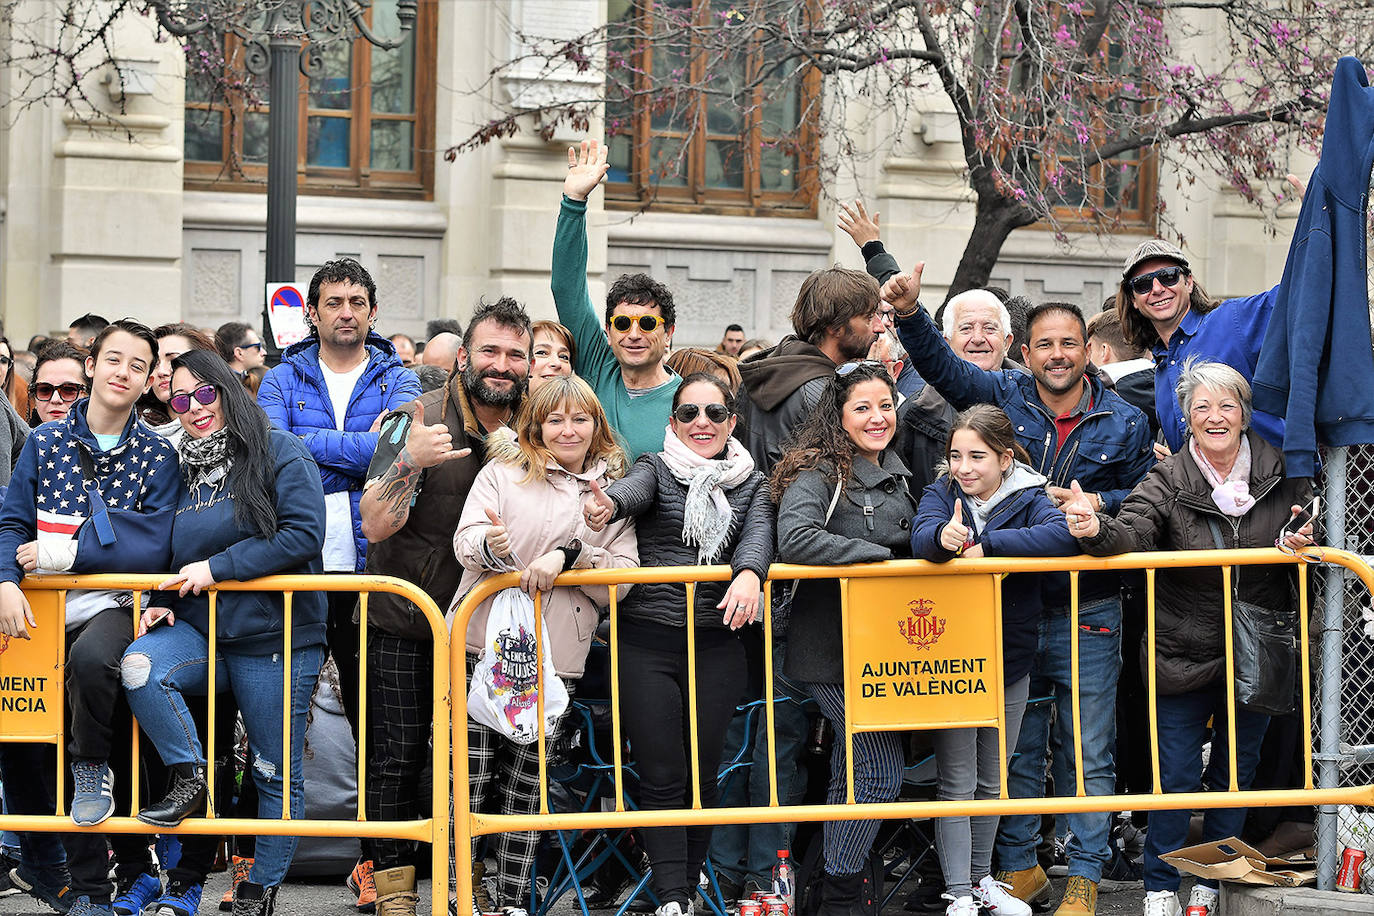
526, 504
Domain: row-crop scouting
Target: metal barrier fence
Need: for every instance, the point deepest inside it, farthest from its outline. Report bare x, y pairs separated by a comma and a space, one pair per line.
433, 830
468, 824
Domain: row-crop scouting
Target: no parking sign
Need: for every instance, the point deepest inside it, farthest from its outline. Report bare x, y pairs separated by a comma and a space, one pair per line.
286, 309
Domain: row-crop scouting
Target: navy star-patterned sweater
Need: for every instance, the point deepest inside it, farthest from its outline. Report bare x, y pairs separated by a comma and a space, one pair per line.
90, 510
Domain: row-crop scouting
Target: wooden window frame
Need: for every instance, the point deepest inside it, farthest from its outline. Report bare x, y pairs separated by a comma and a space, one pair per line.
231, 173
694, 196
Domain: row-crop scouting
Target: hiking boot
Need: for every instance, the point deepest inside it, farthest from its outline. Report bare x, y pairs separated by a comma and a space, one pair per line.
1080, 898
396, 891
360, 882
1029, 884
136, 893
181, 899
1162, 903
481, 894
185, 797
238, 872
93, 800
995, 898
50, 885
251, 899
1204, 896
84, 906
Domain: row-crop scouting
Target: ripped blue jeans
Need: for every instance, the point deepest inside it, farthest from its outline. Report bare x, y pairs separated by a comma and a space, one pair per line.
162, 668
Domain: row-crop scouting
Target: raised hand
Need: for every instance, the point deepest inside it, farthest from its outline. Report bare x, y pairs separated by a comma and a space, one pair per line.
1079, 514
498, 538
858, 224
954, 534
598, 508
585, 169
903, 290
432, 445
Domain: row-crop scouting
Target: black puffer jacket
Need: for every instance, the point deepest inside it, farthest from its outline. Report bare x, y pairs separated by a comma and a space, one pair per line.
652, 495
1169, 510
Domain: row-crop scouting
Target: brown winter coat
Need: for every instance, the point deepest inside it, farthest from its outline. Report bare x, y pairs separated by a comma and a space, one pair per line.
1168, 510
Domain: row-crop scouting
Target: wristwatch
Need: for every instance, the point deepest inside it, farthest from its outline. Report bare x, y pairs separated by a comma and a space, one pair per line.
571, 552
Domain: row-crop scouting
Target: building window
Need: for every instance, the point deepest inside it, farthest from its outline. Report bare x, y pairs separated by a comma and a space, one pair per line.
366, 122
690, 124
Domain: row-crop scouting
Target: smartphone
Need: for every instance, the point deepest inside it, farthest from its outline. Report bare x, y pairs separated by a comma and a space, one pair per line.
1305, 516
161, 618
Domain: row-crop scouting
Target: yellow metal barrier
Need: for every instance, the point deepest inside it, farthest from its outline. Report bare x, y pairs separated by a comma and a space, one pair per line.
468, 824
433, 830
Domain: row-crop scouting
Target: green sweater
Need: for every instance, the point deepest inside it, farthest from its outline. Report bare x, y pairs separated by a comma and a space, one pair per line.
639, 421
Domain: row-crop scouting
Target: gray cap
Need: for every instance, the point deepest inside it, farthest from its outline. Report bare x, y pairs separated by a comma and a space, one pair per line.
1154, 248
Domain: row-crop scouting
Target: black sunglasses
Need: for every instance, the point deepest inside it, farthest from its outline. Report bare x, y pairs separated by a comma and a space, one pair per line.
205, 395
6, 361
686, 413
67, 391
647, 323
1168, 277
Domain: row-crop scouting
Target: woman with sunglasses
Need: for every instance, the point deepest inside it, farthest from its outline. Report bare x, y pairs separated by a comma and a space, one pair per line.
700, 501
1225, 488
59, 381
251, 505
843, 498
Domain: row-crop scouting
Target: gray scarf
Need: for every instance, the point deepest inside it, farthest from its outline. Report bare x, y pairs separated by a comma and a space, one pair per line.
206, 460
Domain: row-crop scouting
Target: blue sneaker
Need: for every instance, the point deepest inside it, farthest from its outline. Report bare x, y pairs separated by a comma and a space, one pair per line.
84, 907
134, 895
50, 885
181, 899
93, 800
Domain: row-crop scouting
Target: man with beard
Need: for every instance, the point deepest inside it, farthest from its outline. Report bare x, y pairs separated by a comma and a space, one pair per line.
1075, 429
430, 451
329, 389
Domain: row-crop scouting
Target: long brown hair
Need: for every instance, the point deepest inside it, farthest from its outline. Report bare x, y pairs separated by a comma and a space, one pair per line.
821, 440
993, 426
1137, 329
577, 395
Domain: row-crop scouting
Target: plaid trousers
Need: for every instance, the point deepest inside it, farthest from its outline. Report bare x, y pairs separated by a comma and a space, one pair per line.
400, 717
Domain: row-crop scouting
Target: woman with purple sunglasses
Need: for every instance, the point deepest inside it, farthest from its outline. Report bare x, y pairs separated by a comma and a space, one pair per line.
251, 505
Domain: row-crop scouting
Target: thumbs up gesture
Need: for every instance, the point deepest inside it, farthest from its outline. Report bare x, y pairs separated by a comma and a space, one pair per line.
902, 290
432, 445
498, 538
955, 533
598, 508
1079, 514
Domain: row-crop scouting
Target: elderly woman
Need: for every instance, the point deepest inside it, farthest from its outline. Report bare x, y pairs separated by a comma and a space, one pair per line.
1227, 483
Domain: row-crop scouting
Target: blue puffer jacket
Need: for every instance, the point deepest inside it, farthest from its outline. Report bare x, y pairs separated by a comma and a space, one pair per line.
297, 400
1022, 523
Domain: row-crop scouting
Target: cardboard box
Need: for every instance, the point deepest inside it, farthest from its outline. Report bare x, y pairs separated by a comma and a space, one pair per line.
1232, 860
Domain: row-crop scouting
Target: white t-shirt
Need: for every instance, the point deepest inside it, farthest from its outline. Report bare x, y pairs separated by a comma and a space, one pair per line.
340, 553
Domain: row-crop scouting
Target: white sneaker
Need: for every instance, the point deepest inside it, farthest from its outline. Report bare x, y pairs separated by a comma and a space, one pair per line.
1204, 896
673, 908
996, 897
1162, 903
960, 906
513, 911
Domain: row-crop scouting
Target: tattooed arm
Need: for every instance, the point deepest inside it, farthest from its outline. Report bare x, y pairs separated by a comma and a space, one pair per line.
385, 504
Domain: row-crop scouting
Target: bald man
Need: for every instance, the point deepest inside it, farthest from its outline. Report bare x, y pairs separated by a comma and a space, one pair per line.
441, 351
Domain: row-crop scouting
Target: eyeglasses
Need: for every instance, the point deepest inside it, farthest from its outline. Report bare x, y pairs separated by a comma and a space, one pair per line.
205, 395
67, 391
251, 346
647, 323
1167, 276
716, 413
847, 368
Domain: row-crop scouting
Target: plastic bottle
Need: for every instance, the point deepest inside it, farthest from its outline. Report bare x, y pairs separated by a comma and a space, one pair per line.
784, 880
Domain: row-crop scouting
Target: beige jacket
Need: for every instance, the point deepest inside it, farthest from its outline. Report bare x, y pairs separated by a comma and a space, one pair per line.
541, 515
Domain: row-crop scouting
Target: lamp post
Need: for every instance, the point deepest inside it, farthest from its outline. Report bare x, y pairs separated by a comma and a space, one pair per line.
280, 37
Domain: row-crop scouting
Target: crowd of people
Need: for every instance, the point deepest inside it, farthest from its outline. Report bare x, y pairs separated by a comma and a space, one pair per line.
873, 432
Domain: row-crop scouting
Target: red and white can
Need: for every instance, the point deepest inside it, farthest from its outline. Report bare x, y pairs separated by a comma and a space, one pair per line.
750, 907
1348, 879
1196, 911
773, 905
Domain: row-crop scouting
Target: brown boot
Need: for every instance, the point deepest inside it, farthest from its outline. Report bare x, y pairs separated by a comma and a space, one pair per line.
1080, 898
396, 891
1029, 884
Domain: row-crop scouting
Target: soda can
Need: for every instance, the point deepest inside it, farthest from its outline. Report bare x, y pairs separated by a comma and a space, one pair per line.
760, 895
775, 906
750, 907
1348, 879
1195, 911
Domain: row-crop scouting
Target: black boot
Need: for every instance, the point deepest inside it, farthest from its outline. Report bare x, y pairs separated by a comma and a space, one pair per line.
253, 899
841, 895
185, 797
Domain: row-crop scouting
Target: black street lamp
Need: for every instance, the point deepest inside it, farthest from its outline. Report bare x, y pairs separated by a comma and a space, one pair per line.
279, 37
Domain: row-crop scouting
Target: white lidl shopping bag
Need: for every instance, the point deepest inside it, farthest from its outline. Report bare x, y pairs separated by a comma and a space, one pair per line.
504, 695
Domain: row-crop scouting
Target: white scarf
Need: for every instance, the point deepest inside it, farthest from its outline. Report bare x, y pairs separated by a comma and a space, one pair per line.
1231, 493
706, 515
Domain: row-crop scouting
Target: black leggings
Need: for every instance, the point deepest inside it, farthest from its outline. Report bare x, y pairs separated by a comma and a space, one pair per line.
654, 702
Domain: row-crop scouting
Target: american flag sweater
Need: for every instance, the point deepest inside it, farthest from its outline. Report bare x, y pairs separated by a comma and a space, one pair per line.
90, 510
